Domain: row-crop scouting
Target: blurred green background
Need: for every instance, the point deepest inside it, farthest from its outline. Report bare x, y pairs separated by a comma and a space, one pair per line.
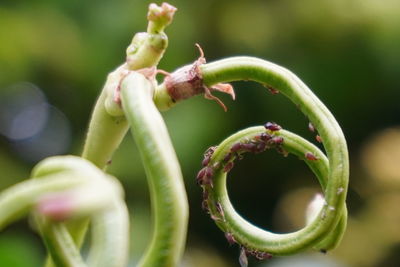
55, 55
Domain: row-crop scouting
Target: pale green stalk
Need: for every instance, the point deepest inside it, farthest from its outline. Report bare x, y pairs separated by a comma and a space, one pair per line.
168, 195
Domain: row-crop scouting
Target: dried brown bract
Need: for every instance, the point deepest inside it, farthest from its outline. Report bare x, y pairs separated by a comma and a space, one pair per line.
188, 81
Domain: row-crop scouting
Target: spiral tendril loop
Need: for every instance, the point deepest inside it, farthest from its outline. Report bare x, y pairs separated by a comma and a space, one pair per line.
325, 230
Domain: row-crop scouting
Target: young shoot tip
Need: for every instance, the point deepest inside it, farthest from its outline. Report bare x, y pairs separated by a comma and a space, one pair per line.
160, 16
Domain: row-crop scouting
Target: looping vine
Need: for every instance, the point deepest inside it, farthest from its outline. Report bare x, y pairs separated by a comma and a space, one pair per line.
325, 230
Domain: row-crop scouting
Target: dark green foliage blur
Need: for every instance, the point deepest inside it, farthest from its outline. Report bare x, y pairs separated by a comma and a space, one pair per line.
346, 51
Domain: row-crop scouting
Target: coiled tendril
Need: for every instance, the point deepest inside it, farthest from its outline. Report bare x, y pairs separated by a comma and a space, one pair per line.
322, 233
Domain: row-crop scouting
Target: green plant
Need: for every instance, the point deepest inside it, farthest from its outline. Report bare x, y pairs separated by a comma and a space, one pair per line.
68, 193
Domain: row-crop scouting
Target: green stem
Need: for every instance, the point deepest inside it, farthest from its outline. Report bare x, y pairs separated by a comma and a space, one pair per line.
110, 236
62, 248
271, 75
110, 239
104, 135
168, 196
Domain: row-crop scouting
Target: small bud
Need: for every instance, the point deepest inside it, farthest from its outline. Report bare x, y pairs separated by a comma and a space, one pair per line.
265, 137
236, 147
160, 16
207, 155
200, 175
272, 126
249, 147
210, 150
205, 161
228, 166
205, 175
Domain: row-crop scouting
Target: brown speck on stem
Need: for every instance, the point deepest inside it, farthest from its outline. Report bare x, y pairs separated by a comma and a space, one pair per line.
228, 166
220, 210
277, 140
236, 147
272, 126
272, 90
265, 137
207, 155
205, 175
249, 147
206, 160
310, 156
